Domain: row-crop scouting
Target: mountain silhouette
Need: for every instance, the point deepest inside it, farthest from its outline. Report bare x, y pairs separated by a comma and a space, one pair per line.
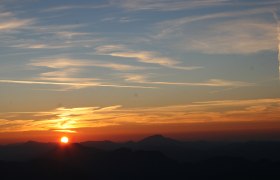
105, 145
154, 157
182, 151
76, 160
71, 153
196, 150
25, 151
158, 140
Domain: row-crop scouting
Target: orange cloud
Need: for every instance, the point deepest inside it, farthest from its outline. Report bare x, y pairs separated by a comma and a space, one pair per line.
70, 119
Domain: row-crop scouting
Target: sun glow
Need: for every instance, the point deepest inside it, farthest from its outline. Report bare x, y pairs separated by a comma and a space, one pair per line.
64, 140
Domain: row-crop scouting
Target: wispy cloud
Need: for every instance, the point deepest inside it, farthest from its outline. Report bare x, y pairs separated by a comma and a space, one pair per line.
70, 34
70, 119
6, 14
60, 119
55, 39
76, 6
173, 23
65, 62
278, 38
210, 83
56, 28
105, 49
14, 24
59, 62
137, 5
32, 33
9, 21
234, 37
72, 85
167, 5
65, 73
40, 46
65, 130
149, 57
124, 19
228, 34
47, 36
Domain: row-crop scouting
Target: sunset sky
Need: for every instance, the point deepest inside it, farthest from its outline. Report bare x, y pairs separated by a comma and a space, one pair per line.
122, 69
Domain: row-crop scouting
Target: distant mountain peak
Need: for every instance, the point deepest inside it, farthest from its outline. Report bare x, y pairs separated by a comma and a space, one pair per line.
157, 139
156, 136
32, 143
71, 152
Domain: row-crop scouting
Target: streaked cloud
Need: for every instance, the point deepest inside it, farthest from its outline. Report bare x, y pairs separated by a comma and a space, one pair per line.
56, 28
40, 46
72, 85
210, 83
65, 62
65, 73
65, 130
14, 24
149, 57
172, 24
61, 120
228, 34
9, 21
59, 62
124, 19
76, 6
48, 36
136, 5
6, 14
56, 40
167, 5
105, 49
278, 38
69, 119
69, 34
234, 37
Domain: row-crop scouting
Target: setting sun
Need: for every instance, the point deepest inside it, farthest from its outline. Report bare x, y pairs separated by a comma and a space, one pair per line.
64, 140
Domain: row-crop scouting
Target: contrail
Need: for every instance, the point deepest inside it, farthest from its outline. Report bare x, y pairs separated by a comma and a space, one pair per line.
278, 37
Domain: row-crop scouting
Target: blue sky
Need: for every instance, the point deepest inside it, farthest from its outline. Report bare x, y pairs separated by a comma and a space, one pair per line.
137, 54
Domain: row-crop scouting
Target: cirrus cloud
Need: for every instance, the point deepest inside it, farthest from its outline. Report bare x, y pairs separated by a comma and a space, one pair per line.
70, 119
149, 57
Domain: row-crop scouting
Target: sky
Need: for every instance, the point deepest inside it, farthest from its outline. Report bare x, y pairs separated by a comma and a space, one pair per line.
122, 69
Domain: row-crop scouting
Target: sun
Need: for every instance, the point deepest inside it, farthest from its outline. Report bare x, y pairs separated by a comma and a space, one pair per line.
64, 140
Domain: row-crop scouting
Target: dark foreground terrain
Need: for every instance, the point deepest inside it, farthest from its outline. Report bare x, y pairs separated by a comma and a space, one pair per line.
155, 157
